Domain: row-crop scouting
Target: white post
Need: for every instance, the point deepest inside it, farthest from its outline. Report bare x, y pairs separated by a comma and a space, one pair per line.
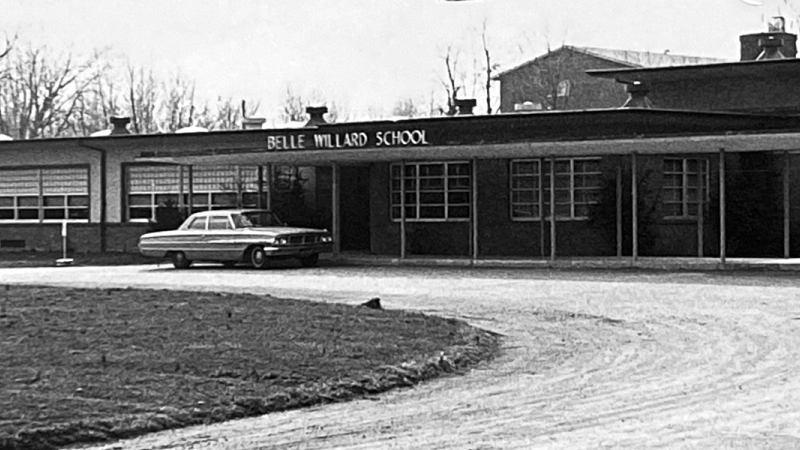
337, 246
474, 208
786, 207
552, 208
403, 209
619, 210
634, 208
722, 231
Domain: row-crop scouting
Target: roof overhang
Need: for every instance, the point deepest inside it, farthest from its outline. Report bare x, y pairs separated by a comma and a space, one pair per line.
789, 67
768, 142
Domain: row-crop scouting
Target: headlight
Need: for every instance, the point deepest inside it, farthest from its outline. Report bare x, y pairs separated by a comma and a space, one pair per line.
281, 241
327, 239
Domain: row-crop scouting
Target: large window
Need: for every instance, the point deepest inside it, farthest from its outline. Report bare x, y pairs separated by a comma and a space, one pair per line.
433, 191
683, 179
42, 194
577, 185
214, 187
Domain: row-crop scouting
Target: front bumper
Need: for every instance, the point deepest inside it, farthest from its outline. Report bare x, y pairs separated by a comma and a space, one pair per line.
298, 250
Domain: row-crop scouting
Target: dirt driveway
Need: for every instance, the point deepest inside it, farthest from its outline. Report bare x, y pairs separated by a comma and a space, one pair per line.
682, 360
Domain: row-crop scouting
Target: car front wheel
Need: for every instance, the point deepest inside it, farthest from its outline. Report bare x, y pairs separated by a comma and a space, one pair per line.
310, 260
179, 260
258, 258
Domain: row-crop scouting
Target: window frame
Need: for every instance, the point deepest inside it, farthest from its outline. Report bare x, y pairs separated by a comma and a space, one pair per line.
702, 172
203, 197
445, 191
541, 190
41, 180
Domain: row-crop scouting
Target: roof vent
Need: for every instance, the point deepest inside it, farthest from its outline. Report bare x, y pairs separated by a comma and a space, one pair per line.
253, 123
120, 124
776, 43
465, 106
316, 114
637, 96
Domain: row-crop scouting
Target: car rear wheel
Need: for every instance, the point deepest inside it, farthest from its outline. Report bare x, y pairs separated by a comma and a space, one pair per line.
310, 260
258, 258
179, 260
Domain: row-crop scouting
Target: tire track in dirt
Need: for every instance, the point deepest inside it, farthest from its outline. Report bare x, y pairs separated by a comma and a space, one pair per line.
694, 363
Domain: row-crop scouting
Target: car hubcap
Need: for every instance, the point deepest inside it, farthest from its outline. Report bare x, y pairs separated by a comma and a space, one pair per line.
258, 257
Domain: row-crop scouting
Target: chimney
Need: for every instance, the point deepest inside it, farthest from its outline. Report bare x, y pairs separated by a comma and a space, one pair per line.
316, 114
252, 123
120, 124
776, 43
464, 106
637, 96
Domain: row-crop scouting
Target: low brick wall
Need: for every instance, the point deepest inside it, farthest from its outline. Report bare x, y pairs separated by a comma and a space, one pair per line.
81, 237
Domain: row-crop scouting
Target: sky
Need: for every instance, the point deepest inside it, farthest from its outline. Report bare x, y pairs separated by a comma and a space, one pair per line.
367, 53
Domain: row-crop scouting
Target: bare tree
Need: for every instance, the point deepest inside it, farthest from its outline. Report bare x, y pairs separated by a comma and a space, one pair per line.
489, 69
406, 107
451, 86
42, 93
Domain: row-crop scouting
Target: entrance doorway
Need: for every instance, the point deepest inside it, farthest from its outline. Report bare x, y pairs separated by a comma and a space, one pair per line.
354, 201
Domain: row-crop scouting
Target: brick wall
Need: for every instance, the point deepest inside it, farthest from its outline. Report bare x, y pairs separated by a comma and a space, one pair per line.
81, 237
535, 81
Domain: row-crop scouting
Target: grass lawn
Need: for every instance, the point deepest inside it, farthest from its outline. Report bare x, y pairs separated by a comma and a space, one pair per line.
83, 365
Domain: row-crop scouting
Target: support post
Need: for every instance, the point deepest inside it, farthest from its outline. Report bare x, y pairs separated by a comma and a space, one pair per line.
260, 187
181, 202
722, 236
191, 190
270, 185
335, 210
701, 204
619, 210
402, 209
542, 215
634, 207
474, 208
552, 208
786, 207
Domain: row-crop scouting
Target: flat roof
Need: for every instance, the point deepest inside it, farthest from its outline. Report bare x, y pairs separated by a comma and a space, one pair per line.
739, 69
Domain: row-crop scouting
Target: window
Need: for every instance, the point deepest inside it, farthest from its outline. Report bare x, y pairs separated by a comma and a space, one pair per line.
682, 181
433, 191
44, 194
577, 185
198, 224
219, 223
214, 187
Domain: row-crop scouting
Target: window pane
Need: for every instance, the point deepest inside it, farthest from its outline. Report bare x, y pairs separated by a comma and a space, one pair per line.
78, 200
140, 213
458, 197
7, 202
458, 183
28, 214
431, 197
54, 200
78, 213
198, 224
458, 212
672, 209
431, 212
54, 214
6, 214
218, 223
28, 201
431, 170
140, 200
458, 169
167, 199
427, 184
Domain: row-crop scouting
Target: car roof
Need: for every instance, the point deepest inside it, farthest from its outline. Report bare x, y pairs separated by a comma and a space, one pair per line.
227, 211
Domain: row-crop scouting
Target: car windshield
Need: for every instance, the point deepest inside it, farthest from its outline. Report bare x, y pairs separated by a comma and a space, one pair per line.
256, 219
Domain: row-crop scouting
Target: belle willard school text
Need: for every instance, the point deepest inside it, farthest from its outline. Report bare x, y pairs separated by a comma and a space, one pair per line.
394, 138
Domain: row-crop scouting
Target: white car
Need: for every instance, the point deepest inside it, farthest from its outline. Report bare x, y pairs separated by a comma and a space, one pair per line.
229, 237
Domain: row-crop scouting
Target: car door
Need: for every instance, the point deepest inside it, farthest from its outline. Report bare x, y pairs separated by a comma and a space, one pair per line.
220, 239
192, 238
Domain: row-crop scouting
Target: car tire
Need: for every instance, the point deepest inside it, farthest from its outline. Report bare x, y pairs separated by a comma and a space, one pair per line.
258, 258
179, 260
310, 260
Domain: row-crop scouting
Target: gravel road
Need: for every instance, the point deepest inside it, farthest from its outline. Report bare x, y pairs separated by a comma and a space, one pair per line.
593, 360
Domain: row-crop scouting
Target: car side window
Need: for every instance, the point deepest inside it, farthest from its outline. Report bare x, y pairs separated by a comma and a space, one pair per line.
219, 223
198, 224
